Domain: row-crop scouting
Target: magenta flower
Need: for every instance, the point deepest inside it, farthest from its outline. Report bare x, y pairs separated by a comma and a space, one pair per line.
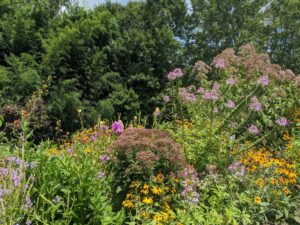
230, 104
220, 63
253, 129
263, 80
104, 158
166, 98
282, 121
117, 127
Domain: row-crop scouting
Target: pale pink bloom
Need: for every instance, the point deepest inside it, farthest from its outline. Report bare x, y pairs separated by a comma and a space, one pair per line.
230, 104
253, 129
263, 80
220, 63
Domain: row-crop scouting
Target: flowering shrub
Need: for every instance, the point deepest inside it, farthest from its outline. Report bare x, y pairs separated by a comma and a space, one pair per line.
140, 153
240, 97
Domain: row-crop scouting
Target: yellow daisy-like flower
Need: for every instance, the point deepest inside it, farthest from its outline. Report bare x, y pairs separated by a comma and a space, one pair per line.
145, 215
145, 191
176, 180
128, 204
165, 216
274, 181
148, 200
286, 191
260, 183
88, 150
160, 178
173, 190
129, 195
292, 175
157, 218
286, 137
257, 200
156, 190
134, 184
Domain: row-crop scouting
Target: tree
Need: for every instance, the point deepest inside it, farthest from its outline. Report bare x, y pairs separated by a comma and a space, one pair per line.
224, 24
283, 33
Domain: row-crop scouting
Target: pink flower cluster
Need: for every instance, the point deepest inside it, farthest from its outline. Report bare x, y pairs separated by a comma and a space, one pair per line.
219, 63
230, 104
255, 105
263, 80
176, 73
282, 121
231, 81
214, 94
253, 129
187, 96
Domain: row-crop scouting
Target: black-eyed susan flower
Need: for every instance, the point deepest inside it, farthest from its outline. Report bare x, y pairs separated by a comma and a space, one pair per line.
157, 191
286, 191
147, 200
257, 200
128, 204
260, 183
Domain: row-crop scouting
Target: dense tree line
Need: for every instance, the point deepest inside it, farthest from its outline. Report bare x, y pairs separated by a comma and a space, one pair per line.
113, 59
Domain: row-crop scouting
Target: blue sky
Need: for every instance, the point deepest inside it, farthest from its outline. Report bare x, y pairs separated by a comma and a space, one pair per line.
91, 3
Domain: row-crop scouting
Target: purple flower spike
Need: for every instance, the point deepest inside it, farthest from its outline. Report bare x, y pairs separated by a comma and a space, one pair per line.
117, 127
282, 121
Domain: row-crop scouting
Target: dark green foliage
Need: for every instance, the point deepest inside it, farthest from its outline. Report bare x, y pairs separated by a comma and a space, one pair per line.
224, 24
283, 32
20, 78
